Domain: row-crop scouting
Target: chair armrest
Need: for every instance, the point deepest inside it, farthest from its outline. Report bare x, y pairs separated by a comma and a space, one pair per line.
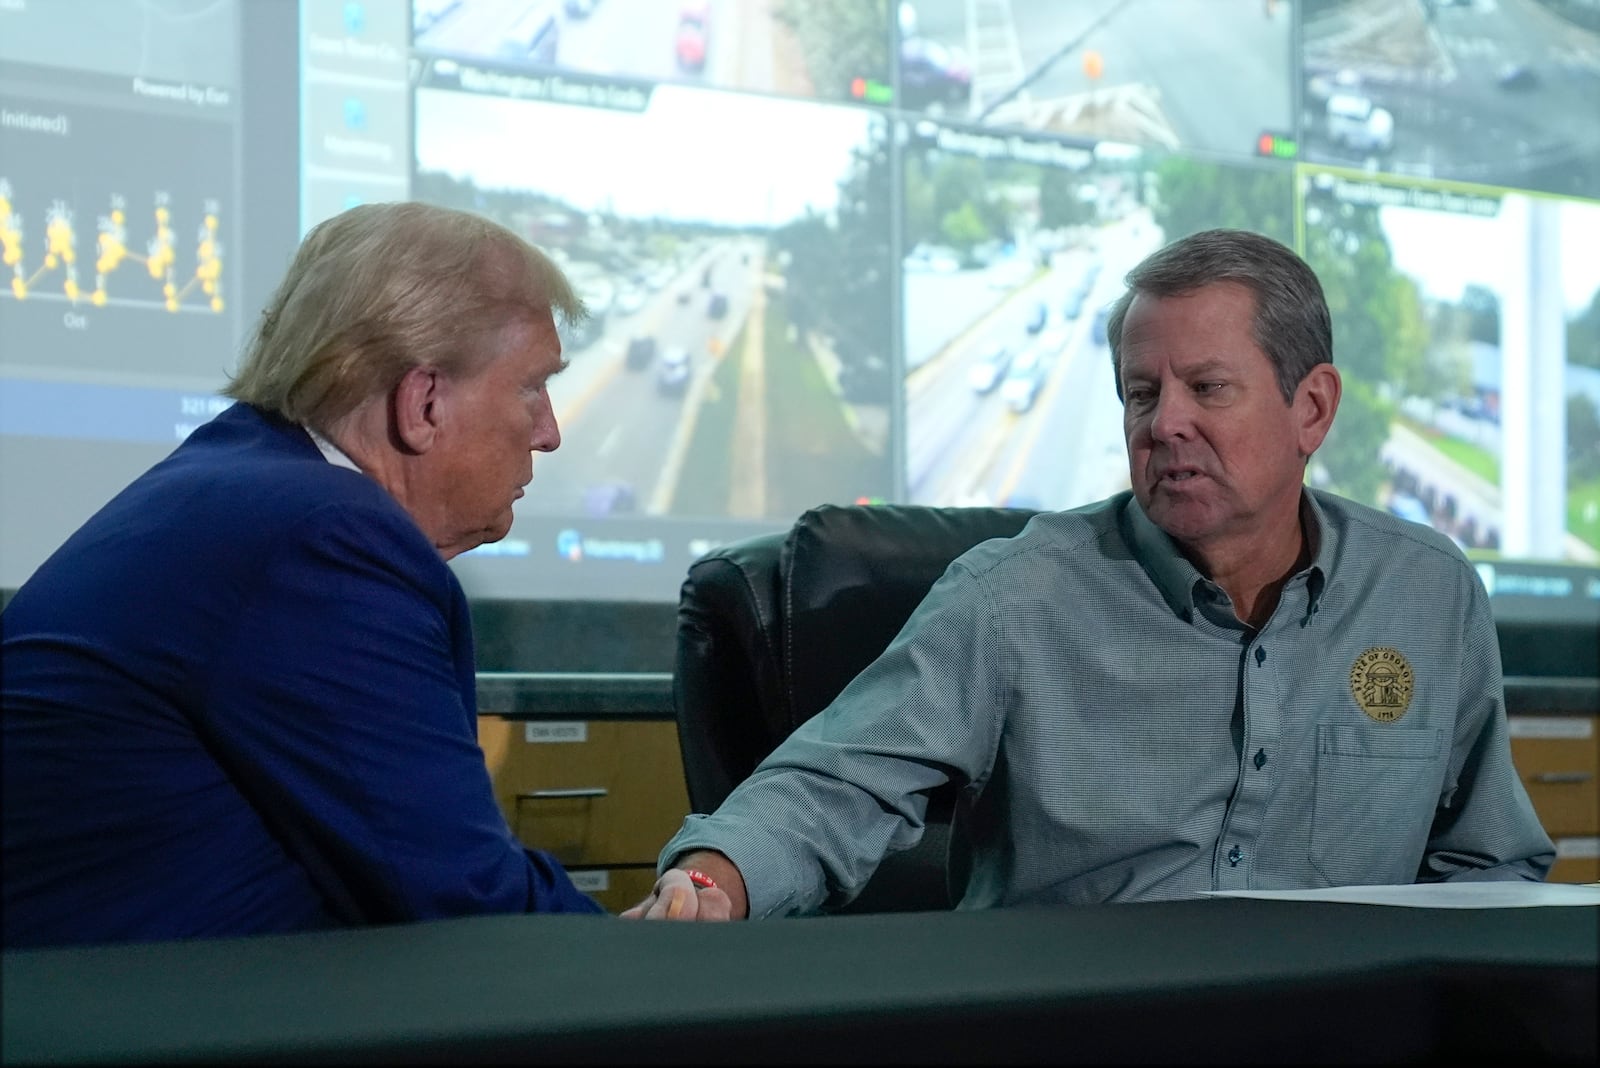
727, 688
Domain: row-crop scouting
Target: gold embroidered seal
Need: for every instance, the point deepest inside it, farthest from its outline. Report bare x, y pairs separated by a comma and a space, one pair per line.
1381, 683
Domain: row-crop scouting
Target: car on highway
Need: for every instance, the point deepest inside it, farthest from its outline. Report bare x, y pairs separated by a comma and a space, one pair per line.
933, 76
693, 35
1023, 382
1098, 331
717, 306
1358, 124
1038, 315
990, 367
1517, 76
641, 353
672, 371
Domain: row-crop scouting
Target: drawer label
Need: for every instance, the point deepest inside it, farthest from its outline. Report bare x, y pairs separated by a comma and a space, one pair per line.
536, 731
1550, 726
1585, 848
591, 882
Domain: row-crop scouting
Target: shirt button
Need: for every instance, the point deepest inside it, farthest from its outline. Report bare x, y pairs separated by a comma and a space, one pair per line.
1235, 855
1261, 655
1261, 758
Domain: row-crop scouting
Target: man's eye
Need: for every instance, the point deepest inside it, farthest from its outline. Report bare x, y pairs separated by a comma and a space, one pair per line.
1207, 387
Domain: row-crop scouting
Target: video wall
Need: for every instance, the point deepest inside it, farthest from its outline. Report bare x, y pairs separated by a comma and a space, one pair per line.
833, 250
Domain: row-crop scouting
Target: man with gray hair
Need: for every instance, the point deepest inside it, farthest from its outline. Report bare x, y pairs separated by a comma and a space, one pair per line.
240, 698
1218, 680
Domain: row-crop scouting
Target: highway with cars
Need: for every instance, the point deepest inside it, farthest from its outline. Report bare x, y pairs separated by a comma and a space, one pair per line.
635, 417
1048, 433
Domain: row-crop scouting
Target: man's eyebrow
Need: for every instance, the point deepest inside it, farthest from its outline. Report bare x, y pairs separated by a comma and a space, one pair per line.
1208, 365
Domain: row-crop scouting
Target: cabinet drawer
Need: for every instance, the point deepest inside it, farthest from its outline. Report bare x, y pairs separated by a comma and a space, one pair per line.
1558, 758
594, 793
1577, 860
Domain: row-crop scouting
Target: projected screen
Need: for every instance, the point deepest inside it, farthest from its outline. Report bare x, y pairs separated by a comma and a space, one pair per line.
834, 250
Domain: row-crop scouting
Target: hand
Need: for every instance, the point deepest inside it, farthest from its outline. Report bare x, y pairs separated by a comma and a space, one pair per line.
674, 897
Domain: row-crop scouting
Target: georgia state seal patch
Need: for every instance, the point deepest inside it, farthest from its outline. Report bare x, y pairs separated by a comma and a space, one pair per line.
1381, 683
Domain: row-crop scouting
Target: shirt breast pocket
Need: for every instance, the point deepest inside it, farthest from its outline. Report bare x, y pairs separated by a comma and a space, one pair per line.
1377, 790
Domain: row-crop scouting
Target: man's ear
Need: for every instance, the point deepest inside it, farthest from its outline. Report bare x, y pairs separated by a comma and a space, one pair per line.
1316, 401
415, 404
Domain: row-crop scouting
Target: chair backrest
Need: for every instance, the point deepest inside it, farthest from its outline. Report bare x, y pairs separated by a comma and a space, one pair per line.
772, 627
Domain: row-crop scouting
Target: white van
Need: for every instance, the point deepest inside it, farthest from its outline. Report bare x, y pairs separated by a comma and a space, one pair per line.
1358, 124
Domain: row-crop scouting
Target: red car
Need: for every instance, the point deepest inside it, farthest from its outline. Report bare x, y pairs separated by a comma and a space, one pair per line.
694, 30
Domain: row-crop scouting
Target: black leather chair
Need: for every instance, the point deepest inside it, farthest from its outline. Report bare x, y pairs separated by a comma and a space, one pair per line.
772, 627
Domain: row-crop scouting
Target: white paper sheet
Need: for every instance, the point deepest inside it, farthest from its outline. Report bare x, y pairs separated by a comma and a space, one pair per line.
1469, 895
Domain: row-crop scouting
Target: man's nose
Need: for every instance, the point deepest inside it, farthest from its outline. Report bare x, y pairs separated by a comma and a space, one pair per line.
1172, 416
546, 430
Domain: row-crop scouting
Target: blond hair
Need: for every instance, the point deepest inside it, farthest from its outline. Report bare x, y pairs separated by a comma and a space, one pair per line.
381, 289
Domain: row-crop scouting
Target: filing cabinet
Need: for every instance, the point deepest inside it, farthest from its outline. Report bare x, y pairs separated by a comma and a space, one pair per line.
1558, 758
601, 795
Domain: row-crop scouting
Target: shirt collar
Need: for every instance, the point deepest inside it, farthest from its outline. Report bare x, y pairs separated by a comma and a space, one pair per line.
1177, 578
331, 452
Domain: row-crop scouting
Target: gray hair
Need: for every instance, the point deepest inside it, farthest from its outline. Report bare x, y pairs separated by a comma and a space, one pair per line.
384, 288
1292, 325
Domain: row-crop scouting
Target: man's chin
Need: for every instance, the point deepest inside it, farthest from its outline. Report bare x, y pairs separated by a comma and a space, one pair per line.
472, 541
497, 532
1184, 520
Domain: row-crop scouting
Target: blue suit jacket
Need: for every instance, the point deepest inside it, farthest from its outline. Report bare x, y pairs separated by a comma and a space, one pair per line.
241, 699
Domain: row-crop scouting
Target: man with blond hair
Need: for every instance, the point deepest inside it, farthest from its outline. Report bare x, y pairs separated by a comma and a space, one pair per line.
240, 698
